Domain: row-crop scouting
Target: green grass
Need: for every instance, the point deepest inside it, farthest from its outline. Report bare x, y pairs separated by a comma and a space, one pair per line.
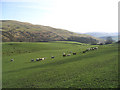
94, 69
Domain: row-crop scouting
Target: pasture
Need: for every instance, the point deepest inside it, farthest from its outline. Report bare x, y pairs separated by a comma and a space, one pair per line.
93, 69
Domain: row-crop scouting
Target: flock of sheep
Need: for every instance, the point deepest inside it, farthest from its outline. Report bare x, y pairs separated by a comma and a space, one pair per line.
64, 54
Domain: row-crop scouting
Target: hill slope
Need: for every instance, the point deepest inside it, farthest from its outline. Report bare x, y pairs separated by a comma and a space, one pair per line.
25, 32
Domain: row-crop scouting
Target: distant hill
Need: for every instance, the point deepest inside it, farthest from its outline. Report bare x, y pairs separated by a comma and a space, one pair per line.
104, 35
15, 31
115, 38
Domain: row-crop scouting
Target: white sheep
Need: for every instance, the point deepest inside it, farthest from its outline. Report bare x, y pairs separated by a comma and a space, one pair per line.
96, 47
68, 54
52, 57
32, 60
43, 58
64, 54
37, 59
12, 60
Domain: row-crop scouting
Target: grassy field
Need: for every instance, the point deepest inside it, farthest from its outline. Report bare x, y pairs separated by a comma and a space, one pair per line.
94, 69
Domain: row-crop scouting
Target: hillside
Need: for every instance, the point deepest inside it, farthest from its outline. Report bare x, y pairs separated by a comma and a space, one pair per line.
25, 32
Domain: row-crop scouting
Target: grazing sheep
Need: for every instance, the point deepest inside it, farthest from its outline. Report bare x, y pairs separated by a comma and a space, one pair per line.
32, 60
68, 54
84, 51
40, 59
88, 49
92, 48
96, 48
52, 57
12, 60
37, 59
74, 53
43, 58
64, 54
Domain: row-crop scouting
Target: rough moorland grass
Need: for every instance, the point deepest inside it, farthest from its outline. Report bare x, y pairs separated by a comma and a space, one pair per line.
94, 69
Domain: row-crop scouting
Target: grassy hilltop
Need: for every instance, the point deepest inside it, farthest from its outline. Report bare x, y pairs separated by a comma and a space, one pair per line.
15, 31
93, 69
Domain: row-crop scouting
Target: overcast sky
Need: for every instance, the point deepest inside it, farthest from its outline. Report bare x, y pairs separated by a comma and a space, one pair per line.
73, 15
